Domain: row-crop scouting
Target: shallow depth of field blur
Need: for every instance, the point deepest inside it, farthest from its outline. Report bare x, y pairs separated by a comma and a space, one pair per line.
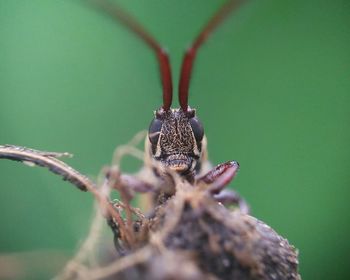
271, 86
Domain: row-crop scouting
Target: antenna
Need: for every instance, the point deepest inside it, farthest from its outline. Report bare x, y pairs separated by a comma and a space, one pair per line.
163, 59
190, 54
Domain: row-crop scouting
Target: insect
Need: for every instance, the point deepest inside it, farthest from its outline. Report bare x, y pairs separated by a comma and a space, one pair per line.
175, 147
176, 139
187, 224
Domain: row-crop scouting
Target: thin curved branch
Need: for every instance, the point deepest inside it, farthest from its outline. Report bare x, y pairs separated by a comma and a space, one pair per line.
49, 160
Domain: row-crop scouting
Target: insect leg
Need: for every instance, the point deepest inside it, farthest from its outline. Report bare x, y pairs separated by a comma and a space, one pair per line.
126, 183
220, 176
228, 197
116, 232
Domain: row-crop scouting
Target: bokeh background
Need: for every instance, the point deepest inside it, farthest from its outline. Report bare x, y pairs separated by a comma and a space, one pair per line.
271, 86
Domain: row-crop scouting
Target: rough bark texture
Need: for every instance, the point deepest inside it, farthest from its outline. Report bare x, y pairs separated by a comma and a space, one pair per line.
193, 237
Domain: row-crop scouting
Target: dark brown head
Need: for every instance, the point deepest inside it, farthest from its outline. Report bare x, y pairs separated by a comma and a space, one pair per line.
175, 138
175, 135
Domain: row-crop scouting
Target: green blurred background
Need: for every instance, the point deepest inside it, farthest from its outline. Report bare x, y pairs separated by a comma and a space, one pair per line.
272, 87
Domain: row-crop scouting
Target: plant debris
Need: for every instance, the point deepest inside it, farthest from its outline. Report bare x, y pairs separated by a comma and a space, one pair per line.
188, 235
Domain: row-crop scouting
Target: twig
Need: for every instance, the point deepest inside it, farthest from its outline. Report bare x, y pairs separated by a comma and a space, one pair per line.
50, 161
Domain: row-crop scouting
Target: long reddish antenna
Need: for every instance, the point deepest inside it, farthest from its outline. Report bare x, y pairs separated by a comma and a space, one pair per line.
163, 58
191, 52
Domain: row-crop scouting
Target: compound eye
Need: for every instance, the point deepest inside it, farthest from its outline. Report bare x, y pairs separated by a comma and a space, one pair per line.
197, 129
154, 130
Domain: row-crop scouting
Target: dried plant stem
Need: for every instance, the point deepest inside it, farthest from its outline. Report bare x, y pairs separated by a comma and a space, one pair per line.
50, 161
